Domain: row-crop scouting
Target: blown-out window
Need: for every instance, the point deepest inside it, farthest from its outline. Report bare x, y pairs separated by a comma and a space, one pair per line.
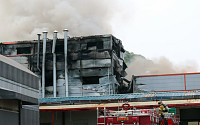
90, 80
95, 44
24, 50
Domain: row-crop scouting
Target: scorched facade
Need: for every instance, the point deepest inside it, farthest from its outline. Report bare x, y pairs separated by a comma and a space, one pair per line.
78, 66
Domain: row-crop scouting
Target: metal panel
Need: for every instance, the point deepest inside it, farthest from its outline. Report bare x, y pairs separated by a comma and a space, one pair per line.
91, 63
75, 89
19, 76
192, 81
22, 60
61, 91
89, 72
14, 64
30, 115
91, 93
161, 83
9, 117
9, 104
112, 79
107, 43
90, 55
6, 84
135, 96
96, 63
73, 47
74, 81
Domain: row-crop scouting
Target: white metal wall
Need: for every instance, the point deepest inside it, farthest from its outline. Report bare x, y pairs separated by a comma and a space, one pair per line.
168, 82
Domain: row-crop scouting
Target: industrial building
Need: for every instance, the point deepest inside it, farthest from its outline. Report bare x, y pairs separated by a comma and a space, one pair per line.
80, 74
78, 66
19, 93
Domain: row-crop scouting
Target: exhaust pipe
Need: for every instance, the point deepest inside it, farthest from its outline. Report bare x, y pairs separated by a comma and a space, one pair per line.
66, 68
54, 63
38, 53
43, 62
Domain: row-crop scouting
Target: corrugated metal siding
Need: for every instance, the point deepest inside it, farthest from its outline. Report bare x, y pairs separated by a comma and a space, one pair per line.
30, 115
171, 82
19, 76
22, 60
9, 118
161, 83
192, 81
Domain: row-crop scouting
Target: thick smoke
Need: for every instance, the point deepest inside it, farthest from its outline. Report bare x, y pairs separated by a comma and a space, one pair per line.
23, 19
143, 66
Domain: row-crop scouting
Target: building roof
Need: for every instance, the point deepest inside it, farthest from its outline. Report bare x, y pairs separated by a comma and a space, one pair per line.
15, 64
111, 105
129, 97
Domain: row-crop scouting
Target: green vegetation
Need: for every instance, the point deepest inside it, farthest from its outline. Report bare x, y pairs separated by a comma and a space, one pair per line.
128, 56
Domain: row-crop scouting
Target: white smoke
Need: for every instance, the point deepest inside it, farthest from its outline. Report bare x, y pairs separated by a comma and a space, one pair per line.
142, 66
23, 19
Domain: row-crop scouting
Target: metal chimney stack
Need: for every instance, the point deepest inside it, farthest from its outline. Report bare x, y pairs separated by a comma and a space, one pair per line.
54, 63
66, 68
43, 62
38, 53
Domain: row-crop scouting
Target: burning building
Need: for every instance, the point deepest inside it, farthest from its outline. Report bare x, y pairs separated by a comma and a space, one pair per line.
77, 71
78, 66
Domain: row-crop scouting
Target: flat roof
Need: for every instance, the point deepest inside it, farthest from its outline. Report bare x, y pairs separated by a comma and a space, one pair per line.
150, 104
15, 64
127, 97
173, 74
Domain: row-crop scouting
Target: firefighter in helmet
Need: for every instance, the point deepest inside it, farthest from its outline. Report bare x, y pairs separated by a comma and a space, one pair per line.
162, 109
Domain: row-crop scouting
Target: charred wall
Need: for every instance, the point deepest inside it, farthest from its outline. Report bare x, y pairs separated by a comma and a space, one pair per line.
95, 64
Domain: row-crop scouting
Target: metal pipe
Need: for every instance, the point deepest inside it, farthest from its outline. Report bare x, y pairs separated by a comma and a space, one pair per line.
108, 82
54, 63
43, 62
97, 114
104, 115
66, 68
54, 41
38, 53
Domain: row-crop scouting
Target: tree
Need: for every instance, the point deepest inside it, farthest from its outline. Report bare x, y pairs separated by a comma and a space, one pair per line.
128, 57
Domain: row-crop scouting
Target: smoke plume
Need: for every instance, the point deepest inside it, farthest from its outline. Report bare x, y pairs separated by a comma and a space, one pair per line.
23, 19
142, 66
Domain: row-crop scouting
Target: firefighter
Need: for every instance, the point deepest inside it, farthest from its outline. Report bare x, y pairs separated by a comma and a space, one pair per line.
165, 107
162, 109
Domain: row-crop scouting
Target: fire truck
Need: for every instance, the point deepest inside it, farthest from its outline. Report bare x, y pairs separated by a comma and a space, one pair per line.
128, 116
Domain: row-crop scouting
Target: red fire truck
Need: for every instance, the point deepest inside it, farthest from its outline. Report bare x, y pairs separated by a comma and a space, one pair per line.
128, 116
